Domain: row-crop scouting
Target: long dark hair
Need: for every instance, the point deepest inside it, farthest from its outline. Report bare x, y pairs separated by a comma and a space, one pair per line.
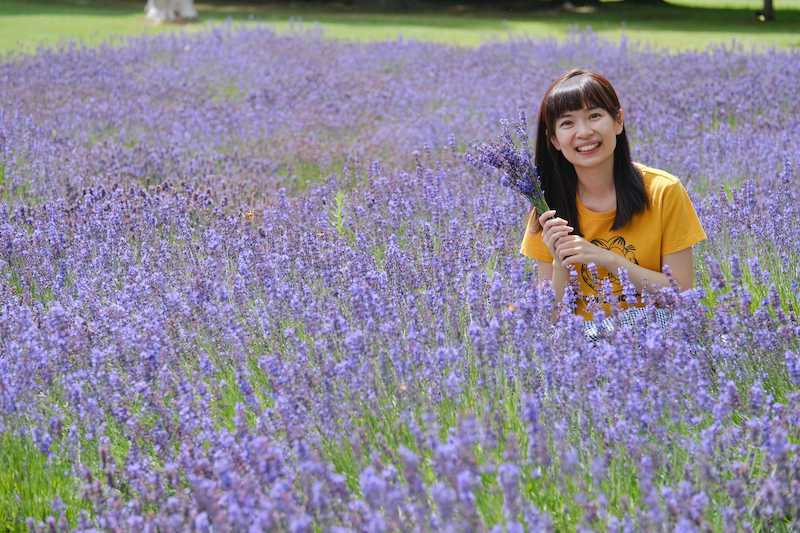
574, 90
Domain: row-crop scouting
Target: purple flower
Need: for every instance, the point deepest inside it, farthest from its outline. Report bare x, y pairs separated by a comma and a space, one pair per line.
515, 164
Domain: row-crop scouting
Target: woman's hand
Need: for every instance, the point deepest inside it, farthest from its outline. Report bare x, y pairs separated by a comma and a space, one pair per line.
574, 249
568, 249
553, 230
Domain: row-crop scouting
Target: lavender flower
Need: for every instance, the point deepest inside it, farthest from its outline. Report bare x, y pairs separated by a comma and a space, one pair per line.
515, 164
167, 364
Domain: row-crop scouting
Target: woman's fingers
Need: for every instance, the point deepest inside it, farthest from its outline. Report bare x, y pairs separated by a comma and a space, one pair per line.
553, 234
555, 224
568, 248
564, 252
554, 230
568, 257
544, 217
572, 249
549, 219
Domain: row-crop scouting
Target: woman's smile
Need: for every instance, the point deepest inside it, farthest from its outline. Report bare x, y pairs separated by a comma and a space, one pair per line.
588, 147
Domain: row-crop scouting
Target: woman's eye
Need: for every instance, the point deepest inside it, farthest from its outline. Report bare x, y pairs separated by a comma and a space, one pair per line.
595, 115
566, 123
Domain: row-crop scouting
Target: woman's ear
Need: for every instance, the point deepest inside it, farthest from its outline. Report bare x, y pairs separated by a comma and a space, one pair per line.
553, 141
620, 121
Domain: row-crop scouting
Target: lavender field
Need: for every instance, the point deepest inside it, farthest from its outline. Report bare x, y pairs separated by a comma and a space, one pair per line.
249, 283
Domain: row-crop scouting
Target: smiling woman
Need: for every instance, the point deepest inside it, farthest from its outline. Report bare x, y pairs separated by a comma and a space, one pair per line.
617, 223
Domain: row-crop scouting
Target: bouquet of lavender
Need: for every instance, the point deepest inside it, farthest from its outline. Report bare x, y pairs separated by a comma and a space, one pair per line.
515, 164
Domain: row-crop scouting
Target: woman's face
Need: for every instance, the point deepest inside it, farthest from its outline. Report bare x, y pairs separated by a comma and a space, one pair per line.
587, 138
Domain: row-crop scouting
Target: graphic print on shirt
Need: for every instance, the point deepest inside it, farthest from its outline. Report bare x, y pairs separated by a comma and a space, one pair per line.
618, 246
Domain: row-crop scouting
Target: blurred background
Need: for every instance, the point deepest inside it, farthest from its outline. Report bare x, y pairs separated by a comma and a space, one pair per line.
677, 24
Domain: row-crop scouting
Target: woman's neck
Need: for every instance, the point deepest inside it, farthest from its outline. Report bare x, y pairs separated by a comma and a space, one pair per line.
596, 190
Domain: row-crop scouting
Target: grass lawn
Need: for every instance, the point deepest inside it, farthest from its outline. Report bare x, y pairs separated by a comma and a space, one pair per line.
684, 24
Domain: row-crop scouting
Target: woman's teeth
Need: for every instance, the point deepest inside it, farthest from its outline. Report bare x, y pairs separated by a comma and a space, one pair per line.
589, 147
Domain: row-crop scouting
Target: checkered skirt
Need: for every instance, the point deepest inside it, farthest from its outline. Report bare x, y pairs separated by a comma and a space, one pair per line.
632, 316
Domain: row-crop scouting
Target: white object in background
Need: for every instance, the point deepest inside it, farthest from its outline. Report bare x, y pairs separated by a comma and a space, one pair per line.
159, 11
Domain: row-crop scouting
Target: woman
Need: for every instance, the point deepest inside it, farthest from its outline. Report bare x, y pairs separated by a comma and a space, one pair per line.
607, 210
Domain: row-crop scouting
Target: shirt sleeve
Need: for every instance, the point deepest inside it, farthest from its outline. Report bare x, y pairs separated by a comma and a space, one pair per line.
532, 243
681, 226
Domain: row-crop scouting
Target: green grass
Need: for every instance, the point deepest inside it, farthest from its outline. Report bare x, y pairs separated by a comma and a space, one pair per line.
30, 482
686, 24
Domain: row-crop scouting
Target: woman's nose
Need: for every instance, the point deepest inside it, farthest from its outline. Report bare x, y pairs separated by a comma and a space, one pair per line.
584, 129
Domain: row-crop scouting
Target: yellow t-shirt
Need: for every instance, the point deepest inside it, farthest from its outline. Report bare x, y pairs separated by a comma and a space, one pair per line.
668, 225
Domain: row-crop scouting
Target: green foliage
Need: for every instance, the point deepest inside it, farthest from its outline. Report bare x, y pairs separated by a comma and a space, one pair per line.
29, 483
337, 212
4, 182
